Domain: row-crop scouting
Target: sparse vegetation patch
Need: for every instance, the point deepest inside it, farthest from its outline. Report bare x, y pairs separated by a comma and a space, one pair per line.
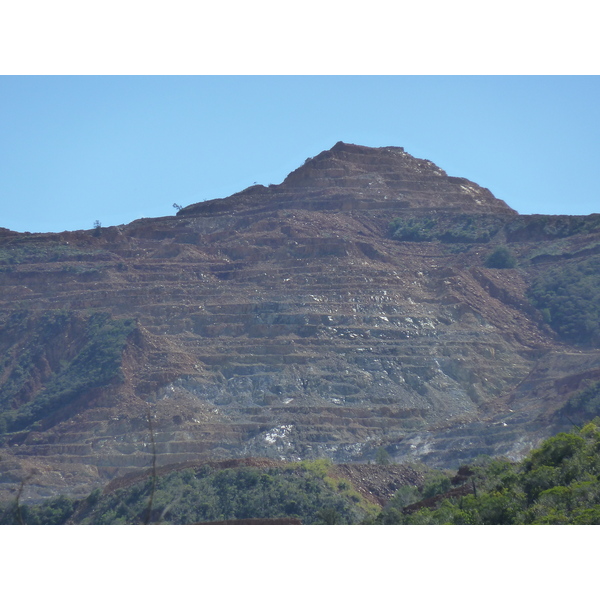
95, 364
451, 229
568, 297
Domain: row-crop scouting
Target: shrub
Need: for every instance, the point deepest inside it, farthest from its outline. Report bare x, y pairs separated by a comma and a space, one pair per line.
569, 299
449, 229
382, 457
500, 258
584, 404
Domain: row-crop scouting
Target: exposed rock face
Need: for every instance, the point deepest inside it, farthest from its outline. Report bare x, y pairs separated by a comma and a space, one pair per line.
350, 177
282, 322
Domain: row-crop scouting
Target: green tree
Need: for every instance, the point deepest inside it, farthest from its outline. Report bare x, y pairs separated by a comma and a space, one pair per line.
501, 258
382, 457
436, 483
329, 516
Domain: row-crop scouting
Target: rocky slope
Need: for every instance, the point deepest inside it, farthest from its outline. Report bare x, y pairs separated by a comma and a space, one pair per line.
349, 308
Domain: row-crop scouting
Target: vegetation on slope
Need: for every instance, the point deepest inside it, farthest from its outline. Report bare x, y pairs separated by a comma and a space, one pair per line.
547, 227
302, 490
21, 250
559, 483
583, 405
569, 298
556, 484
568, 294
500, 258
450, 229
96, 363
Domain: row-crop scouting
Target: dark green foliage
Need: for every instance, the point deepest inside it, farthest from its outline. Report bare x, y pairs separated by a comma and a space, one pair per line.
51, 512
30, 341
559, 483
501, 258
435, 483
463, 229
584, 405
569, 299
95, 364
382, 457
547, 227
200, 495
405, 495
329, 516
413, 229
553, 452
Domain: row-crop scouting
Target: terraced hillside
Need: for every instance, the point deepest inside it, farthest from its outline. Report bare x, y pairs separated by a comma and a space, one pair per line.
352, 307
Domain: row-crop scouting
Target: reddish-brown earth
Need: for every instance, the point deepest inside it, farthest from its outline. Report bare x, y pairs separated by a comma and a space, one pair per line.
284, 322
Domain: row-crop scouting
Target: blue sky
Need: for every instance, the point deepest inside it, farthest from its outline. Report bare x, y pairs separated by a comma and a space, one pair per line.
76, 149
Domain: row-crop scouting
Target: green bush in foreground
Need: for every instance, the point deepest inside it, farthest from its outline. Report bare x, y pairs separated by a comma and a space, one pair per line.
302, 490
557, 484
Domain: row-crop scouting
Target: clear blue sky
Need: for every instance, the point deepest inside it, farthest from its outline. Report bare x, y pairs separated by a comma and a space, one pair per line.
83, 148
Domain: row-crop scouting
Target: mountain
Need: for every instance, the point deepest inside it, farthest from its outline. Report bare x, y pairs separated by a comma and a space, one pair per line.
369, 302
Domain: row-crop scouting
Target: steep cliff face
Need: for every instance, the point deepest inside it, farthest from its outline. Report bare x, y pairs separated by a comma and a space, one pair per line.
351, 307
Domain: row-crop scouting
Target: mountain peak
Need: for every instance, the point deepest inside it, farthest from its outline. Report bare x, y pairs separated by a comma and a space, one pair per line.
353, 177
390, 163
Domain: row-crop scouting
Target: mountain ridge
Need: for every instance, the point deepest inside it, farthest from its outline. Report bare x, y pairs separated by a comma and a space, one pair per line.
322, 317
350, 176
